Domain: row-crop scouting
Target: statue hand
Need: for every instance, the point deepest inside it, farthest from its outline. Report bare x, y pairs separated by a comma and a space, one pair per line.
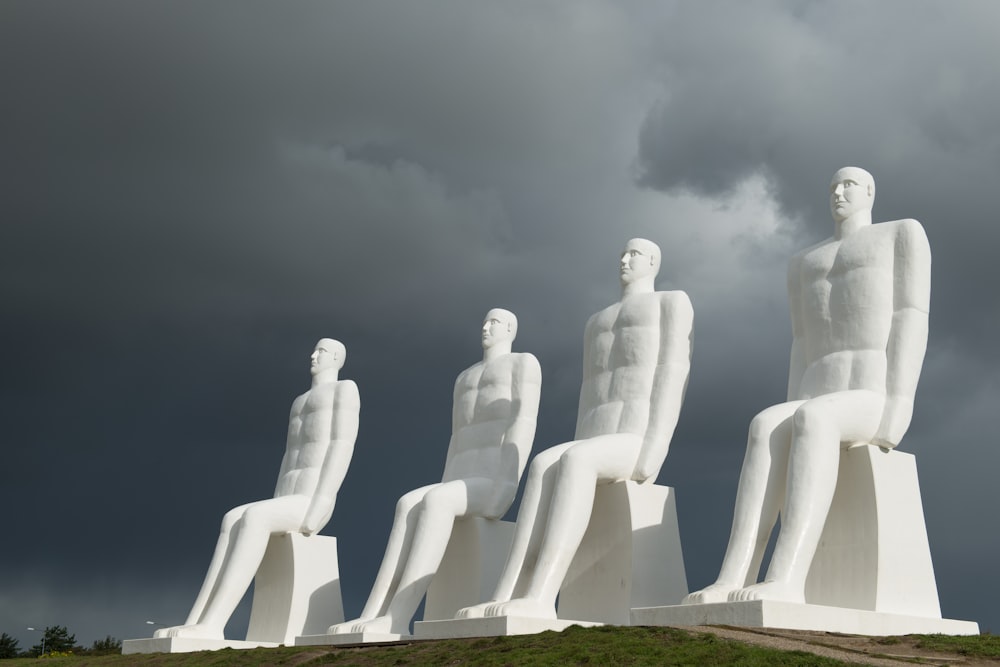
895, 420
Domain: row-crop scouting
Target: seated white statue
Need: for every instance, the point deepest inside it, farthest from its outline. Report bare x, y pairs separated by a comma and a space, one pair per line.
493, 426
636, 359
859, 302
322, 428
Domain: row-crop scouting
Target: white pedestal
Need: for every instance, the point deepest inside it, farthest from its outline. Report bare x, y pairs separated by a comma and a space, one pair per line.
793, 616
873, 553
630, 556
467, 575
471, 567
296, 591
872, 572
496, 626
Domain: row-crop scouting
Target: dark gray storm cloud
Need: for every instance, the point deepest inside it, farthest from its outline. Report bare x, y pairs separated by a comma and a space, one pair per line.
193, 194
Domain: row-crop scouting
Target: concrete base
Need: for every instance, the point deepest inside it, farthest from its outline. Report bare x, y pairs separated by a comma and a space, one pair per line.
793, 616
349, 638
629, 557
185, 645
496, 626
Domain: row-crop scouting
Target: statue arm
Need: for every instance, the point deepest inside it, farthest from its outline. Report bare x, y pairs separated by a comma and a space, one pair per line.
669, 383
343, 433
293, 428
908, 334
455, 423
796, 362
584, 385
526, 387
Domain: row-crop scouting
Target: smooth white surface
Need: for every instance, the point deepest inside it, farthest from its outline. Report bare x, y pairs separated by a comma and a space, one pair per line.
322, 429
859, 302
493, 425
470, 568
629, 557
186, 645
296, 590
501, 626
637, 356
795, 616
874, 552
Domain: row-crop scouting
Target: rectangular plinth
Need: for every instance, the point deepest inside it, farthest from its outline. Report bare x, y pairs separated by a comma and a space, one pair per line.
793, 616
349, 638
186, 645
494, 626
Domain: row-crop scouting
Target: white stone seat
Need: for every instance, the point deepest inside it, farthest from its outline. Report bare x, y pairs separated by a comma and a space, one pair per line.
296, 589
630, 556
873, 553
471, 567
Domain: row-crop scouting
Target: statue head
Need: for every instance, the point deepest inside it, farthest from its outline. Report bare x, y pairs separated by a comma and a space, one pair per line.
852, 190
329, 354
640, 260
499, 326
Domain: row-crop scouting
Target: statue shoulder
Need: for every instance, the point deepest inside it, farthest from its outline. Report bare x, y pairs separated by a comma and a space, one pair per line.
347, 393
526, 364
676, 303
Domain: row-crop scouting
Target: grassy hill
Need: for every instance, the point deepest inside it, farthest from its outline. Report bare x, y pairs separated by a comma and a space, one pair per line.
575, 646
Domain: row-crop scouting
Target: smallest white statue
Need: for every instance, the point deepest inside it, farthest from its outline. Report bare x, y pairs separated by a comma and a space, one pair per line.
321, 432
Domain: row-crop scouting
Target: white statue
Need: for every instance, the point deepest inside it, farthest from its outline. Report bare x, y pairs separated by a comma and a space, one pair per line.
859, 303
637, 354
322, 428
493, 426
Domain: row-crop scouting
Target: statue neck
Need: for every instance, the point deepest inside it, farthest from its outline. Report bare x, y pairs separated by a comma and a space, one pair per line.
496, 350
641, 286
325, 377
852, 223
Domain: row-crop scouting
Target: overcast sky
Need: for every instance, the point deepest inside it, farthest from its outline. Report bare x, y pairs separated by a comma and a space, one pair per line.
193, 193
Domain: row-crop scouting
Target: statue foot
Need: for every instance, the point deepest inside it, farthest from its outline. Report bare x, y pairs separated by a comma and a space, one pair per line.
379, 624
343, 628
782, 591
196, 631
714, 593
475, 611
527, 607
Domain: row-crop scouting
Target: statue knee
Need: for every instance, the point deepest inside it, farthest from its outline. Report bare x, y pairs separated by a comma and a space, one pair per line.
437, 501
541, 463
572, 463
230, 519
407, 502
810, 421
256, 519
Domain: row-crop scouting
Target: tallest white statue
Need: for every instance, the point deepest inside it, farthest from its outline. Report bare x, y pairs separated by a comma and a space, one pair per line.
859, 302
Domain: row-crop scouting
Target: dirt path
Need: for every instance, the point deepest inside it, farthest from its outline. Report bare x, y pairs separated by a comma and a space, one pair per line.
849, 648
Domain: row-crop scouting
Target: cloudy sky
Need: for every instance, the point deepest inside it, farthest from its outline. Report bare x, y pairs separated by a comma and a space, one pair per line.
193, 193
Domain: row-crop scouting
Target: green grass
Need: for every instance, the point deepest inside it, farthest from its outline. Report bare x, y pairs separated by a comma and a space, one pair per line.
975, 646
574, 646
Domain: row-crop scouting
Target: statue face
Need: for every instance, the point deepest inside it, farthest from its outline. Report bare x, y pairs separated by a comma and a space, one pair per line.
328, 354
638, 260
499, 326
852, 190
